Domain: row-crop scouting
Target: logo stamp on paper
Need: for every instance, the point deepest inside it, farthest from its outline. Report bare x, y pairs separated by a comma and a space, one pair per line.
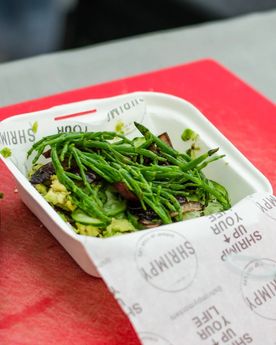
149, 338
166, 260
258, 286
124, 114
267, 206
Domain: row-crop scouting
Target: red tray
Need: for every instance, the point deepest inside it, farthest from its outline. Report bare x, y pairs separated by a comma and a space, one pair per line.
45, 297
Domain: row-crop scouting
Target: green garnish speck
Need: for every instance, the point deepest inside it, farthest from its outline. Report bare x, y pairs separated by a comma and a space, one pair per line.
189, 134
119, 128
5, 152
35, 127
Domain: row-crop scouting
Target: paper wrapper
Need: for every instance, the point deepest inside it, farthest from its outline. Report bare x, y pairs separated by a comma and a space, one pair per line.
210, 280
19, 133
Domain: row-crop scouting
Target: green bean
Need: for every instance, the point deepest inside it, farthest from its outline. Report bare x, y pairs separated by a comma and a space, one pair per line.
104, 170
87, 203
160, 210
161, 144
193, 163
64, 151
213, 159
225, 203
73, 176
154, 171
174, 201
75, 154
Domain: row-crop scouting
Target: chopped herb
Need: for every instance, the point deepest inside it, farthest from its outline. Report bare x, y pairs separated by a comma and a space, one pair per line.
1, 195
193, 150
119, 128
189, 134
35, 127
6, 152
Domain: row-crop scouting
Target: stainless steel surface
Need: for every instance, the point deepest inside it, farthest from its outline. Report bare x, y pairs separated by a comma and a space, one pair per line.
246, 45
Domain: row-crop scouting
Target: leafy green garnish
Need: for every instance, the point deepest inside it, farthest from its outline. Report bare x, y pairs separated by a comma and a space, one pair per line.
6, 152
213, 207
117, 227
191, 215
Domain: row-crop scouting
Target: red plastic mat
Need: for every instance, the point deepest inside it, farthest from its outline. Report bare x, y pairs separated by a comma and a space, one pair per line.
45, 298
